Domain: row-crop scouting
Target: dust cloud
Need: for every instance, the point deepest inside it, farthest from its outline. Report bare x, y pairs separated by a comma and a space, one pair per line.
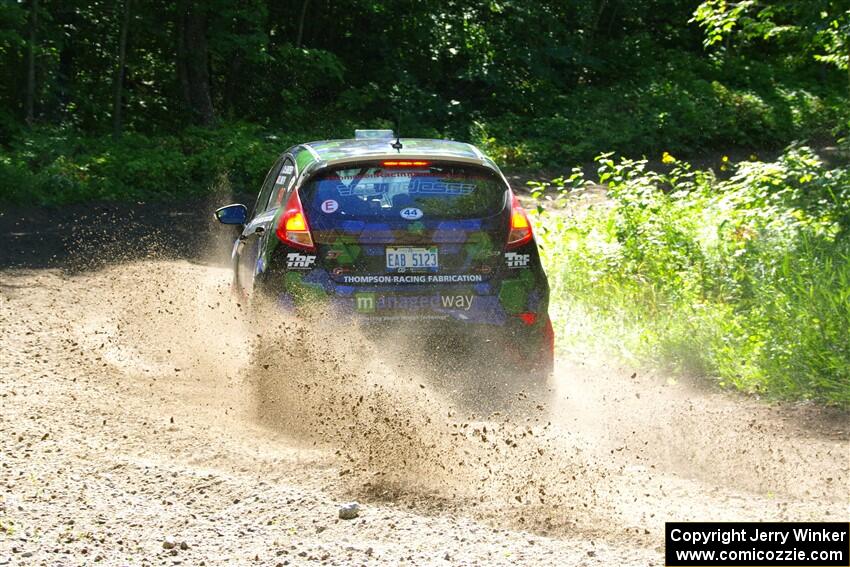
610, 453
603, 450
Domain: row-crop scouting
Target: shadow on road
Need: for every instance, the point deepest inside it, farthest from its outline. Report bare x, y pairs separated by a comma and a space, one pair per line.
84, 237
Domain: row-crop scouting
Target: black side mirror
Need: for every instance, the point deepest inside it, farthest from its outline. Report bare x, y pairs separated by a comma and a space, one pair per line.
232, 214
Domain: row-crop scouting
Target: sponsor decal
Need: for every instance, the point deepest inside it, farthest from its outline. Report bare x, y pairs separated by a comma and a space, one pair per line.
281, 179
287, 169
411, 213
364, 302
409, 317
265, 217
371, 302
385, 184
463, 302
297, 261
414, 278
344, 250
329, 206
514, 260
424, 187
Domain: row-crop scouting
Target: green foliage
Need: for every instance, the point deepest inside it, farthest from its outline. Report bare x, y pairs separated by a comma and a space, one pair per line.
690, 106
744, 279
719, 19
815, 29
835, 40
56, 166
537, 84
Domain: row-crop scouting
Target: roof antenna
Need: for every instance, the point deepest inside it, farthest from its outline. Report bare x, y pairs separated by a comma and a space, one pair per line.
397, 144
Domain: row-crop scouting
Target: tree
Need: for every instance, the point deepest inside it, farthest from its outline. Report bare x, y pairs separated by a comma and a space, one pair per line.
300, 36
118, 83
818, 29
30, 97
193, 60
835, 37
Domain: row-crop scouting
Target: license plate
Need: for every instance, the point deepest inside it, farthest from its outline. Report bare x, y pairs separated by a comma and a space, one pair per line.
410, 259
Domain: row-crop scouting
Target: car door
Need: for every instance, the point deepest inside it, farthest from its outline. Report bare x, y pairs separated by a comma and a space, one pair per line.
259, 227
245, 251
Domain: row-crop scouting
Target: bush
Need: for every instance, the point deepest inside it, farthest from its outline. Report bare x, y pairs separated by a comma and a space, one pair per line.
746, 280
56, 166
688, 105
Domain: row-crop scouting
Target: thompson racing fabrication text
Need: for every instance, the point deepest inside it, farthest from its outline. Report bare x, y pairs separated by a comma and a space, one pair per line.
413, 278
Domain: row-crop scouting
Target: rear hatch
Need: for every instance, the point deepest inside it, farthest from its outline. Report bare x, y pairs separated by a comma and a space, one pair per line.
413, 222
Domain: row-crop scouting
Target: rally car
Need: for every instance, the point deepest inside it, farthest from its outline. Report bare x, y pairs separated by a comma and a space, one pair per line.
392, 233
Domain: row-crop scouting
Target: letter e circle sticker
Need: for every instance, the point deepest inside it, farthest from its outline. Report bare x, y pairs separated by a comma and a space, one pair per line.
411, 213
329, 206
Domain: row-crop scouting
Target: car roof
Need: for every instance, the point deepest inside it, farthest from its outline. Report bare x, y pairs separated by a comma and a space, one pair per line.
333, 152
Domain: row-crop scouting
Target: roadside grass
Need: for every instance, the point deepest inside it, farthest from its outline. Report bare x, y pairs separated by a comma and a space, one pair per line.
744, 280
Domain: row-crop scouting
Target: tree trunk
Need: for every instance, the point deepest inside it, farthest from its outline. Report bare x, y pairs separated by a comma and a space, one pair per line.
300, 35
65, 18
30, 100
118, 84
182, 73
192, 61
232, 84
64, 74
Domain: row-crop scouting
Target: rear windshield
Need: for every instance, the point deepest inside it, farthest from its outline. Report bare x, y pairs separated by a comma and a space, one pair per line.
378, 192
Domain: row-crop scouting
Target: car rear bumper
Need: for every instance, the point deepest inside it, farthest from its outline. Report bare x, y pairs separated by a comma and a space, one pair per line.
481, 328
496, 301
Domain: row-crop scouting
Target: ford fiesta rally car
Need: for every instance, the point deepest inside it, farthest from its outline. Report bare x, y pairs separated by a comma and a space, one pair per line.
415, 233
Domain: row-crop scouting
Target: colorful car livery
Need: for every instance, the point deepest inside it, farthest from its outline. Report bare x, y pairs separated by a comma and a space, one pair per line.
387, 231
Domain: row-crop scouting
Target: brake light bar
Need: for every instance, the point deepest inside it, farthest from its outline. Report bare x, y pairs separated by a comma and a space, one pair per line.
405, 163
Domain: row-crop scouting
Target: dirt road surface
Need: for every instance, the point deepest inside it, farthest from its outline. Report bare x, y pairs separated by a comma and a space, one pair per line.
148, 419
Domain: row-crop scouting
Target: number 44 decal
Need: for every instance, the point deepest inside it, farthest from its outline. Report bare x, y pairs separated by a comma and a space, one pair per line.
411, 213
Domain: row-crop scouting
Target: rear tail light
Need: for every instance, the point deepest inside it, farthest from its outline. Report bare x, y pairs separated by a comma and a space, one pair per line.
293, 228
520, 232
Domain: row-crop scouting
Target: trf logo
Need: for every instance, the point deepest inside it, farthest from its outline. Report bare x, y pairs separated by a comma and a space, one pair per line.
300, 261
514, 260
364, 302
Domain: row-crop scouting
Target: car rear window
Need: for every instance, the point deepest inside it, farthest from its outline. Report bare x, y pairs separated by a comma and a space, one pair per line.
378, 192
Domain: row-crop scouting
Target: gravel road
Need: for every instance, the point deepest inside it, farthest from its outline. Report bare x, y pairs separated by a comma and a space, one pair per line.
147, 419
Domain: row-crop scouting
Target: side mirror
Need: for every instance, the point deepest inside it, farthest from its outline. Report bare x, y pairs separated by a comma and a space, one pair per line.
232, 214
